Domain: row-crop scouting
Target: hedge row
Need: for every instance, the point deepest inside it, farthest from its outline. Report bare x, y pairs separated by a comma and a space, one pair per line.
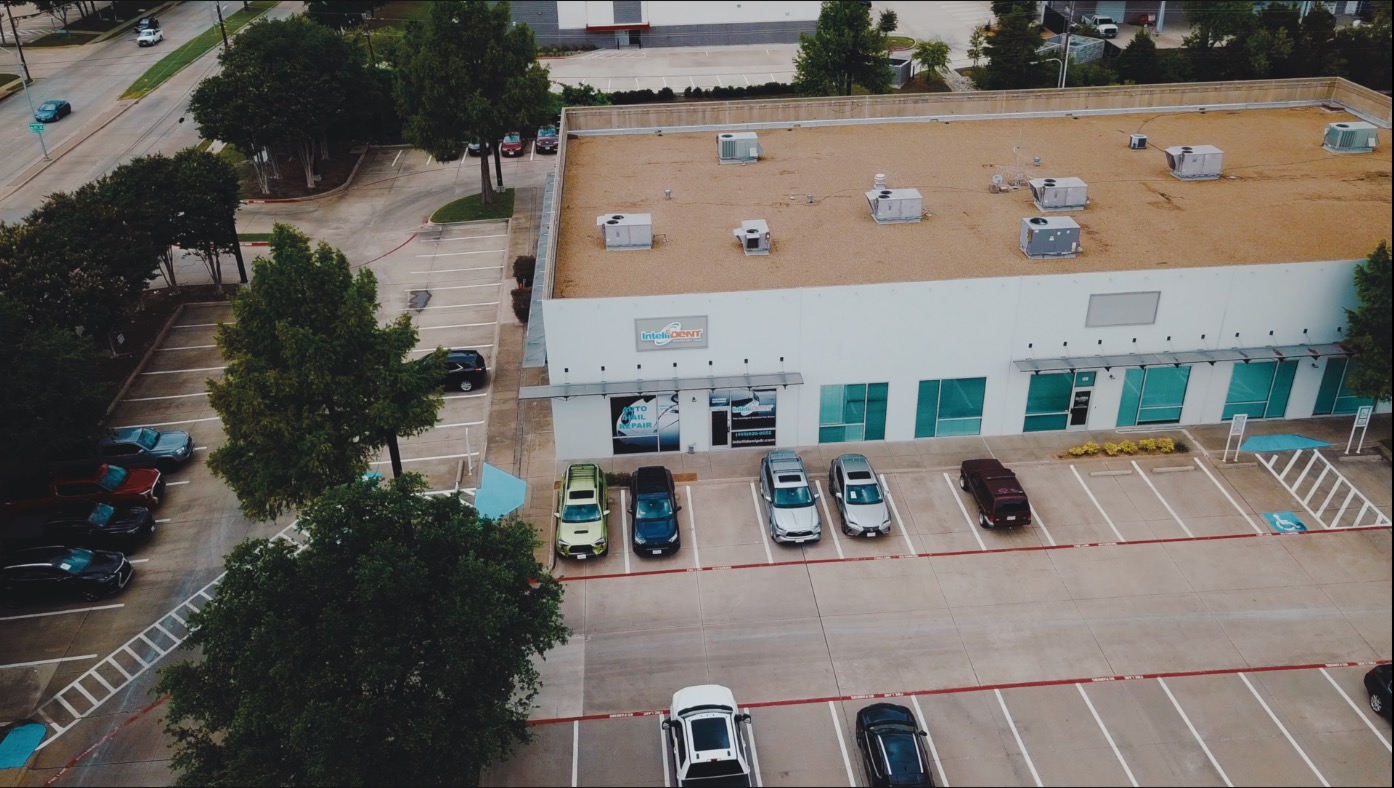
648, 96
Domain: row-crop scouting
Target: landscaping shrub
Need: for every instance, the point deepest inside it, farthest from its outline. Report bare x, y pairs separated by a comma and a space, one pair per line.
617, 478
522, 303
523, 267
1127, 448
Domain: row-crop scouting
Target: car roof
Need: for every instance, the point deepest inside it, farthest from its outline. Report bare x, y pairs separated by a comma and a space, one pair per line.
854, 462
36, 556
462, 352
652, 478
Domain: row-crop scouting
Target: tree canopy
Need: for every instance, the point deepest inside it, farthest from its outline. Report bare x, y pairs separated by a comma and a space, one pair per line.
396, 649
314, 387
846, 51
1012, 62
1368, 335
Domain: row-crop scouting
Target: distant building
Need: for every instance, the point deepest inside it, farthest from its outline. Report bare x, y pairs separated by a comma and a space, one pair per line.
626, 23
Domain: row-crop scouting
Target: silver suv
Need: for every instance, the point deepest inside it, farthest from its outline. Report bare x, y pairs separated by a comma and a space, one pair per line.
860, 500
791, 505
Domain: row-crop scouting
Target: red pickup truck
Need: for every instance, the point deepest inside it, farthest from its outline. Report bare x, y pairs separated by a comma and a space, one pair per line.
95, 484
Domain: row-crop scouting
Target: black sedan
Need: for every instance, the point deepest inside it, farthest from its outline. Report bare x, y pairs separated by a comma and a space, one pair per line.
57, 572
465, 370
1377, 684
892, 746
80, 525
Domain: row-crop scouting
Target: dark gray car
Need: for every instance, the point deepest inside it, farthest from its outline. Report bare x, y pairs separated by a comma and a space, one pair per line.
143, 447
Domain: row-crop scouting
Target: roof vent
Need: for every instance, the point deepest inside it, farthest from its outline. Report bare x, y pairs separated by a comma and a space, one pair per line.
1195, 162
1350, 138
754, 236
626, 230
738, 147
1137, 141
1059, 194
879, 182
894, 206
1044, 237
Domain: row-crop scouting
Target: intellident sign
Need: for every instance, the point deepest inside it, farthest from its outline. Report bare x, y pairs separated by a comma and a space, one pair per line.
670, 333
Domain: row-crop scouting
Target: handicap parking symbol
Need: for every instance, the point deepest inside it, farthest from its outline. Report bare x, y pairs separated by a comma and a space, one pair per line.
1284, 522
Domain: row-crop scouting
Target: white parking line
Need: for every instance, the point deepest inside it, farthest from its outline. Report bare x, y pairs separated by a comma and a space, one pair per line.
167, 423
61, 612
454, 306
466, 396
1284, 729
454, 287
168, 396
692, 523
428, 459
1107, 735
1158, 493
663, 748
176, 484
760, 521
575, 750
459, 424
1229, 497
460, 325
754, 756
1358, 712
624, 521
828, 518
933, 751
1020, 745
457, 270
457, 254
138, 560
842, 744
203, 325
895, 512
47, 661
185, 347
163, 520
1036, 518
396, 158
471, 237
1195, 733
178, 371
1090, 493
972, 526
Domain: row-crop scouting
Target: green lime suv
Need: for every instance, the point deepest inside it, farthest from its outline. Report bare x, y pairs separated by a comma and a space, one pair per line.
581, 528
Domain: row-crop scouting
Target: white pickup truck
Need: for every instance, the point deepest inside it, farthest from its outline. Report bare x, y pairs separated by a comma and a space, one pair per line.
1104, 24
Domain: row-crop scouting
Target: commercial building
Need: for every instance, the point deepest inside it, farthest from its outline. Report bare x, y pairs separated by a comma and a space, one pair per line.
656, 23
802, 272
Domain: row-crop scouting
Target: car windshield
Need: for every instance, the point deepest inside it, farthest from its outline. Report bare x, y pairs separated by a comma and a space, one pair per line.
512, 139
147, 438
547, 132
652, 507
113, 477
48, 106
75, 561
792, 496
580, 513
101, 514
864, 493
710, 733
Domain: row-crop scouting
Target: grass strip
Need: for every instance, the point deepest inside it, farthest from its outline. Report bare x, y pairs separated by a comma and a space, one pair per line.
192, 50
470, 209
253, 237
70, 39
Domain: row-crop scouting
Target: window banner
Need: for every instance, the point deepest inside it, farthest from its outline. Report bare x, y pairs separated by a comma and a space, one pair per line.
752, 414
645, 423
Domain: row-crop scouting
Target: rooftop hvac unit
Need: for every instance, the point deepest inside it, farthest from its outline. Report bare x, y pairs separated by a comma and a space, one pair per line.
626, 230
754, 235
1059, 194
1350, 138
738, 147
1137, 141
895, 206
1049, 236
1195, 162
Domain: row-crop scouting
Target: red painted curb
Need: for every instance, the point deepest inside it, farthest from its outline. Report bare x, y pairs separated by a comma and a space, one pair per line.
105, 739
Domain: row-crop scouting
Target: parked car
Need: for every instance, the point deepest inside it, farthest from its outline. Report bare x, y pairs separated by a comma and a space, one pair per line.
1000, 497
547, 140
892, 746
79, 525
143, 447
465, 369
582, 530
705, 737
1377, 683
147, 23
791, 505
55, 572
653, 505
93, 484
150, 36
52, 110
475, 148
1104, 24
860, 501
512, 144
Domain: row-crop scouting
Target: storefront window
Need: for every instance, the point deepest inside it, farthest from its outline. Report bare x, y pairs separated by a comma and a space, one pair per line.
645, 423
1333, 397
743, 417
950, 407
854, 412
1048, 402
1153, 396
1260, 389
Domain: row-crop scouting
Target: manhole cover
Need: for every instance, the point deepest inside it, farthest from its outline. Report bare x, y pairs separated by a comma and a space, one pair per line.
418, 299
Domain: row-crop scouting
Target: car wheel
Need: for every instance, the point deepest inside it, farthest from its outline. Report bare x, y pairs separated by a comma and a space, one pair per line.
1375, 705
983, 521
962, 482
90, 596
466, 385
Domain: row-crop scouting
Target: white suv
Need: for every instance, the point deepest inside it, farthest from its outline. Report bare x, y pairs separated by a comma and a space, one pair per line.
705, 736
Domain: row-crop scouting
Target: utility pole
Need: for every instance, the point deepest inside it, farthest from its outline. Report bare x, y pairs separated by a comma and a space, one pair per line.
18, 45
218, 5
1065, 57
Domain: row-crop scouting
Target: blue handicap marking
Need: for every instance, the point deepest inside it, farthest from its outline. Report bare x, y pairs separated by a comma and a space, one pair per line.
1284, 522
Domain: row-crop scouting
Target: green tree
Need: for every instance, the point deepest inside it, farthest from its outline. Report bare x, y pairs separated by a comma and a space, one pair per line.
1265, 52
314, 386
845, 51
977, 46
1012, 61
209, 196
49, 402
1215, 45
469, 74
1316, 52
229, 107
888, 21
1002, 8
1363, 53
1369, 327
340, 14
396, 649
1138, 62
932, 56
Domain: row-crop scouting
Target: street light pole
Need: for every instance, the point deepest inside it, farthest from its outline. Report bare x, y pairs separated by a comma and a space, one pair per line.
219, 7
1069, 23
19, 46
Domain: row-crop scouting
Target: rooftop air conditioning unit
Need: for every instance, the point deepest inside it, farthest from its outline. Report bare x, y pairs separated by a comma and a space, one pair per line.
1195, 162
1350, 137
626, 230
1049, 236
1137, 141
1059, 194
895, 206
754, 235
738, 147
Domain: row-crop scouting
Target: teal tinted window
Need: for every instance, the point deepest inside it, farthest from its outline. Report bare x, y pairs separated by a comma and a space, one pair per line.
1333, 397
927, 409
1163, 393
876, 411
1054, 421
950, 407
1084, 380
1282, 387
852, 413
1249, 386
1132, 394
1049, 393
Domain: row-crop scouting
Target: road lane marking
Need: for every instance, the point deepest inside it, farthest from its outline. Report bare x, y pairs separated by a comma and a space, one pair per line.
828, 518
1036, 518
760, 521
61, 612
624, 522
972, 526
167, 423
1358, 712
1107, 735
933, 751
179, 371
1090, 493
842, 744
1284, 729
575, 751
899, 521
1229, 497
47, 661
1158, 493
1195, 733
692, 523
1020, 745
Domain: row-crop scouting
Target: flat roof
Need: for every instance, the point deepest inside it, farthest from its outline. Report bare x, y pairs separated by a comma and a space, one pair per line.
1282, 198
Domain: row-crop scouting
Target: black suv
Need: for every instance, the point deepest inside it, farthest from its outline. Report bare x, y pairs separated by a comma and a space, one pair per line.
62, 571
79, 525
465, 370
653, 505
892, 746
1377, 683
147, 23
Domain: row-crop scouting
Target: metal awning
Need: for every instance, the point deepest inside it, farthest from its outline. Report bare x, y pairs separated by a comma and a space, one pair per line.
568, 390
1247, 354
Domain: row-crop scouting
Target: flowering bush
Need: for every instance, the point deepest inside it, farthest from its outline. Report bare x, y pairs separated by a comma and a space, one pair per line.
1126, 448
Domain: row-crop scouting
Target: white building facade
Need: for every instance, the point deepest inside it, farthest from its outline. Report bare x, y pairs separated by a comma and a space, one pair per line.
666, 23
